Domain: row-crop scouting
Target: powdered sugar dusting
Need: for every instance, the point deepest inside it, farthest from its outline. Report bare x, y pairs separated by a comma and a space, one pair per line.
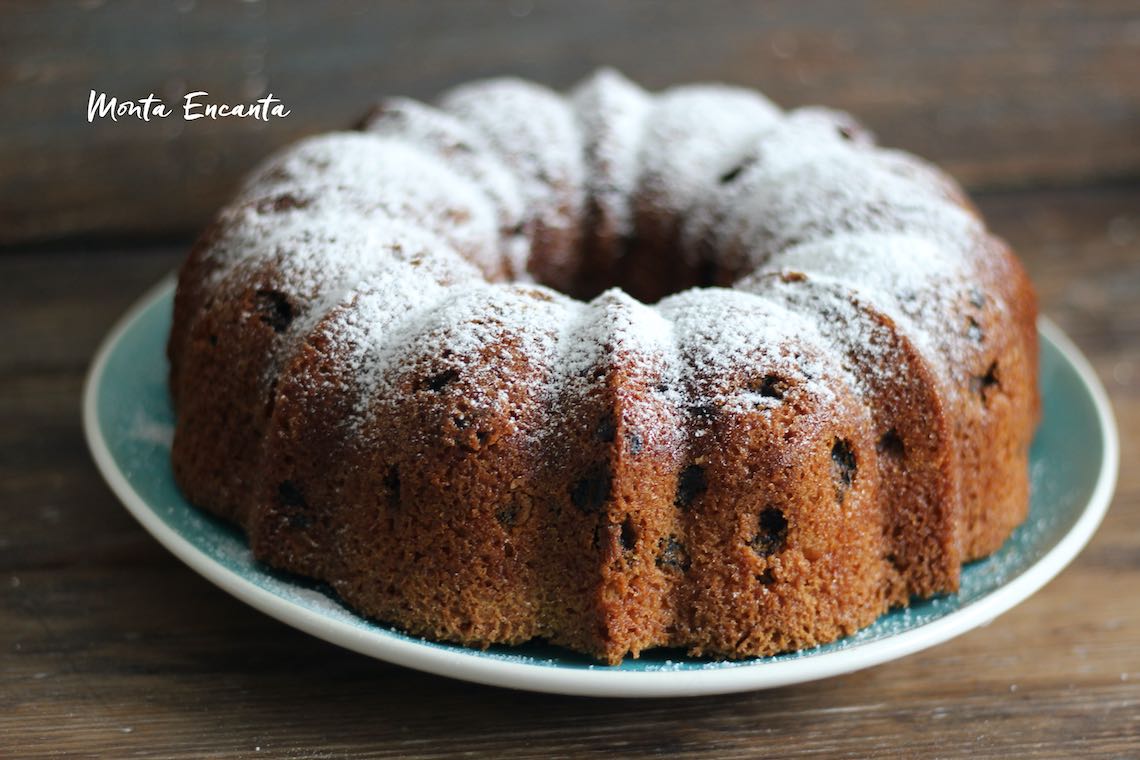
612, 113
477, 329
817, 123
380, 176
694, 134
729, 339
910, 278
796, 188
468, 154
367, 327
325, 239
886, 264
388, 240
146, 428
535, 133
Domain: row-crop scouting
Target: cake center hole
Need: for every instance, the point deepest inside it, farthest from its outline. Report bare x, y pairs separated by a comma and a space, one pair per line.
648, 265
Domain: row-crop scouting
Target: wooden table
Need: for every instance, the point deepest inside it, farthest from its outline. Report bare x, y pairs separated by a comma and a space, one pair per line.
109, 647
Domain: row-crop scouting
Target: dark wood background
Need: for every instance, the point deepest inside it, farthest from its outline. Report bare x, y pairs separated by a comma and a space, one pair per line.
111, 648
1004, 94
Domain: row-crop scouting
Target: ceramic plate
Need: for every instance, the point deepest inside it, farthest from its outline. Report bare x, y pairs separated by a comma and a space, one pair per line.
129, 423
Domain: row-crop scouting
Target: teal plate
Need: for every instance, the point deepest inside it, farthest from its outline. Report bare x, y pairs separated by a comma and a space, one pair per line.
129, 424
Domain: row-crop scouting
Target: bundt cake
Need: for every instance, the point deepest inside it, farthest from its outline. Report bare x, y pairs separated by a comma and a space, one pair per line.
614, 369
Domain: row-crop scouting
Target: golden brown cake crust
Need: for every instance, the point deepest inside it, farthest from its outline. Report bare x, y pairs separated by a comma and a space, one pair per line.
383, 373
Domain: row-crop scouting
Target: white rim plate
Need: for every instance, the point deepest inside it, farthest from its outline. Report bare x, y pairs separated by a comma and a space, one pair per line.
680, 677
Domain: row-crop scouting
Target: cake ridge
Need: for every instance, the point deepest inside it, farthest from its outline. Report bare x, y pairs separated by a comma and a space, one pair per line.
535, 133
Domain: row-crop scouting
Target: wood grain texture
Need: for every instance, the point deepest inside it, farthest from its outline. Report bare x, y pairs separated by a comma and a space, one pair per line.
1008, 94
109, 647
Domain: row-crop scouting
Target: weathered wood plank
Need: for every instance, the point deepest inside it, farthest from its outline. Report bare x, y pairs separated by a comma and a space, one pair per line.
1003, 94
